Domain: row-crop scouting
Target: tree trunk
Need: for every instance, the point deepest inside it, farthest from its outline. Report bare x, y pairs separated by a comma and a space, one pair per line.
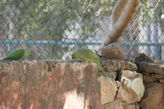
121, 17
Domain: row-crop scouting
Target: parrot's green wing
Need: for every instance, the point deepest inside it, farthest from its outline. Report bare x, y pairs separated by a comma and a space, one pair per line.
88, 54
17, 54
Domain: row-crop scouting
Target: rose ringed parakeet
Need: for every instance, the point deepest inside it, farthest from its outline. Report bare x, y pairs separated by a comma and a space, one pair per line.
18, 54
89, 55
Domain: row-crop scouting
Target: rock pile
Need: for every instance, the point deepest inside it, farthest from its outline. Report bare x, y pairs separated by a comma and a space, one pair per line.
137, 85
152, 71
153, 77
128, 88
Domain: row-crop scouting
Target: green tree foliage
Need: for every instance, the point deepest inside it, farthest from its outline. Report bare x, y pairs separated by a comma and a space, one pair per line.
48, 19
152, 12
158, 15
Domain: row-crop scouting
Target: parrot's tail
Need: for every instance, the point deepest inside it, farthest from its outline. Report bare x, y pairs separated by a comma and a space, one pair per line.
99, 65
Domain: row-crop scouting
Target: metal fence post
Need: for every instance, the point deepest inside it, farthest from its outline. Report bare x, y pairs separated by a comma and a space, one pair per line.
159, 51
10, 46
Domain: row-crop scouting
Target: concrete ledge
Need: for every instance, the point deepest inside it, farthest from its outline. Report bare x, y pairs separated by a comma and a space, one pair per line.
47, 85
53, 84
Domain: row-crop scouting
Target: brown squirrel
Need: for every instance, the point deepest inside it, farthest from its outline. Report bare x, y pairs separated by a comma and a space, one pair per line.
122, 13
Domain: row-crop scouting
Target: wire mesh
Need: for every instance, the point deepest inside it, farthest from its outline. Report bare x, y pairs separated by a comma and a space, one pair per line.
54, 28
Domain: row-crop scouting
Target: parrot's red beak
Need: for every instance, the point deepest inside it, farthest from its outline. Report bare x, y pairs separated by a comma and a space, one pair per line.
73, 57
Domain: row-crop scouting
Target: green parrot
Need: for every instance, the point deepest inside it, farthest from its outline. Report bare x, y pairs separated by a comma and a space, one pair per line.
18, 54
89, 55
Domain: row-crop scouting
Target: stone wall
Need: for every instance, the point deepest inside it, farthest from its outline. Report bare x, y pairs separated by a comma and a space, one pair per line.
75, 85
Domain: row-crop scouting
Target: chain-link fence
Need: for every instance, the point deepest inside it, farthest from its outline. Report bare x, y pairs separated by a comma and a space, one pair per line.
54, 28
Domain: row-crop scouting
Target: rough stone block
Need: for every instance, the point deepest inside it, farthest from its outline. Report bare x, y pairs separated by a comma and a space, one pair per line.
108, 90
149, 79
161, 80
117, 65
157, 68
118, 104
131, 87
153, 97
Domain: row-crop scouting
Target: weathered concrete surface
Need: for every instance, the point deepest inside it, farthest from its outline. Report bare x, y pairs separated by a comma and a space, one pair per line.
48, 85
